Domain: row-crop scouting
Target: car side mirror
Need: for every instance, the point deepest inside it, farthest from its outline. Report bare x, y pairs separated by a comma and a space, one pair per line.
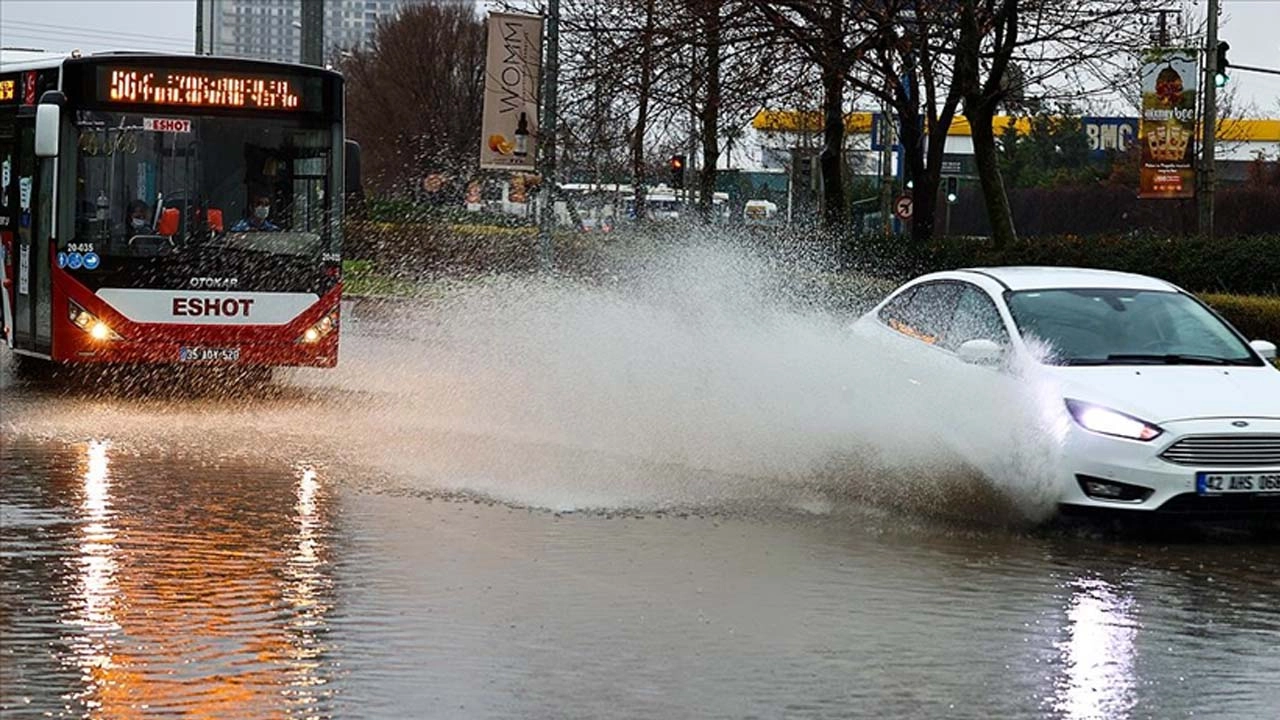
981, 352
49, 123
1266, 349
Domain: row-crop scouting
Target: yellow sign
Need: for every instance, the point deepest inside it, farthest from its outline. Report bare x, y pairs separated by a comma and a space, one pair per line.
6, 89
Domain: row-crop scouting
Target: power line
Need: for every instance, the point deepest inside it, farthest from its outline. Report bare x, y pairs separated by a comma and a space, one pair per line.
68, 41
70, 29
55, 41
104, 37
79, 34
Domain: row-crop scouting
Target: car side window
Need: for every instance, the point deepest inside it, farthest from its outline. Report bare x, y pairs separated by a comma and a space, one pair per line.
976, 318
895, 309
926, 314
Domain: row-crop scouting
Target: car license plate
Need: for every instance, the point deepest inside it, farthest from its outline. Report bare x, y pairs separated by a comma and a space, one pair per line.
209, 354
1208, 483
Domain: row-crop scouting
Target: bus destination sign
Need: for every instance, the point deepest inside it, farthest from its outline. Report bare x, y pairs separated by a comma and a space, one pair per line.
199, 88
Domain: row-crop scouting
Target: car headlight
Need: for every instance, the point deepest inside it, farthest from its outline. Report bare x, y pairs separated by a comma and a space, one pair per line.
89, 323
1106, 421
320, 329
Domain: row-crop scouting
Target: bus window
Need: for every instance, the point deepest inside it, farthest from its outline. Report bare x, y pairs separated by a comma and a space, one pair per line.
201, 167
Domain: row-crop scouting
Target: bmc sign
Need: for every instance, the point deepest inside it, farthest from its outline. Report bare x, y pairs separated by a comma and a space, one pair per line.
1109, 134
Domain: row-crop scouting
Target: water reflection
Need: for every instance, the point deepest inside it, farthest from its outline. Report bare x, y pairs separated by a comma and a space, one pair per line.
306, 591
95, 566
177, 587
1098, 653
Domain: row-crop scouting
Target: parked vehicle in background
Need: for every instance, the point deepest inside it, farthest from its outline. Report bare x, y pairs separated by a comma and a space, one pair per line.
759, 212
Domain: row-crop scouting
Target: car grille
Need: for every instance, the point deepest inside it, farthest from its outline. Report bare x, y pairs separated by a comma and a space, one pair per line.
1224, 506
1226, 451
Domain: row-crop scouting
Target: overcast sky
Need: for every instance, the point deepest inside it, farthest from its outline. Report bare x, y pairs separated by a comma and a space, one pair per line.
93, 25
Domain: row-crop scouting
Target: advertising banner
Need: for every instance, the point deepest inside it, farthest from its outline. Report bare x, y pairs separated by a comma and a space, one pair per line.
509, 131
1168, 124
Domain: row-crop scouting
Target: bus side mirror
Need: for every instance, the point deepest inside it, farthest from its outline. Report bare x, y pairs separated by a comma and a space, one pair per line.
49, 123
351, 161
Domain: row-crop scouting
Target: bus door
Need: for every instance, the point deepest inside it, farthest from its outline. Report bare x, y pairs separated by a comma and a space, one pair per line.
26, 213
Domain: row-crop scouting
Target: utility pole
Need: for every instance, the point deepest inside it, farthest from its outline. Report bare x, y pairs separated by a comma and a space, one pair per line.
547, 136
887, 173
200, 27
1162, 27
1210, 121
313, 32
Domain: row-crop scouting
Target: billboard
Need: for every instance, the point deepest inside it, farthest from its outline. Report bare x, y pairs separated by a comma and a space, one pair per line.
509, 130
1167, 126
1107, 135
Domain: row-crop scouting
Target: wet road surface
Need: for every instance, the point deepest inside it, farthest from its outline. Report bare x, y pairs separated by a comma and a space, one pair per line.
145, 584
395, 539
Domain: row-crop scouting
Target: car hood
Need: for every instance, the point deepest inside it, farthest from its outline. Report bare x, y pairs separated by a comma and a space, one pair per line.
1165, 394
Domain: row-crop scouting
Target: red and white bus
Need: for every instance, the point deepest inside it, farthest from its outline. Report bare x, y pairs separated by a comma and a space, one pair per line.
171, 209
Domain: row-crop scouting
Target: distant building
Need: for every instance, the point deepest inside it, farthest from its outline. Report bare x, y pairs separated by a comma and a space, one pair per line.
272, 29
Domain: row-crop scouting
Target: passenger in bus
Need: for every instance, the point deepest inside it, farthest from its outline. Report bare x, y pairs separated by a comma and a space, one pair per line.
258, 219
139, 222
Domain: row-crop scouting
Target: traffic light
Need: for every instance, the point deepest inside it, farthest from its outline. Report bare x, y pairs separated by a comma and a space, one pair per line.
677, 171
804, 173
1221, 77
953, 189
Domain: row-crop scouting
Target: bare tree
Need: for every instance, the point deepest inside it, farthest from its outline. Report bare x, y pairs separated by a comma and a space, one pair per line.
1005, 47
824, 32
733, 72
908, 68
415, 95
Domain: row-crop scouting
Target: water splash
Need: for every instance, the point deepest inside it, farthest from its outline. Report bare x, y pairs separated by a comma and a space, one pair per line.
701, 376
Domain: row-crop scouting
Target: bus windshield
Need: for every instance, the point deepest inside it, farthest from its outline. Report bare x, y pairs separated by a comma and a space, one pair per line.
148, 184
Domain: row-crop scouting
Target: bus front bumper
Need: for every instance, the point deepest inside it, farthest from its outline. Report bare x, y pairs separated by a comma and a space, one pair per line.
322, 353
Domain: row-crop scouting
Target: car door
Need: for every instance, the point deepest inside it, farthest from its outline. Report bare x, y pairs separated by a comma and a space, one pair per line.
987, 403
975, 318
915, 326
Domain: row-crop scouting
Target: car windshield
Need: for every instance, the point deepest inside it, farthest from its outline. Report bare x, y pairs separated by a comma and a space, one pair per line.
245, 184
1125, 327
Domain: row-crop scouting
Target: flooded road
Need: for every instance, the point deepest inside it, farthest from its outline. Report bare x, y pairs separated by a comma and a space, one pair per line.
137, 584
587, 512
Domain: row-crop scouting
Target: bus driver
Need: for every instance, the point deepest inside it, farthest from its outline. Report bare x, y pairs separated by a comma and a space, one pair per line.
258, 218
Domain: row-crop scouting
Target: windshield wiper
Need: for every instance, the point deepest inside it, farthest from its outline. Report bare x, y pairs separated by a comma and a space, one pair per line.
1173, 359
1082, 361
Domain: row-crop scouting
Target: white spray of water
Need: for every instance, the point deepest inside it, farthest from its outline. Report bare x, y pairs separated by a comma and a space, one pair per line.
695, 379
692, 379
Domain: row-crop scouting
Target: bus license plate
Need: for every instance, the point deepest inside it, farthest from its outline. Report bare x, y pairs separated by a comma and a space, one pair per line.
1223, 483
209, 354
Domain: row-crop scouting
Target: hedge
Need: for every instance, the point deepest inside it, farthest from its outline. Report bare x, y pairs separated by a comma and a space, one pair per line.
1257, 317
1236, 265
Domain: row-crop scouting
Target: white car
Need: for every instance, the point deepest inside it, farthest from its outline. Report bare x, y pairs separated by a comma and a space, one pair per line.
1164, 406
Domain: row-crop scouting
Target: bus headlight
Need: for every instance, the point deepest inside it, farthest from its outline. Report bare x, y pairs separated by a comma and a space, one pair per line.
90, 323
321, 329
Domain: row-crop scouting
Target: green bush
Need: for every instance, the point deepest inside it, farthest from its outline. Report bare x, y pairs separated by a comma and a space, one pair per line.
1236, 265
1257, 317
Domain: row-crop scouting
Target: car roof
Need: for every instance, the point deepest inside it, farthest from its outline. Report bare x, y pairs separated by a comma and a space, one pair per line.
1046, 278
